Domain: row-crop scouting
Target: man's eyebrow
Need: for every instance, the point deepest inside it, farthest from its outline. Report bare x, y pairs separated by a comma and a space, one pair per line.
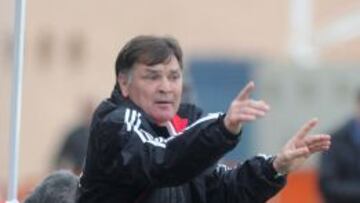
155, 70
151, 70
175, 71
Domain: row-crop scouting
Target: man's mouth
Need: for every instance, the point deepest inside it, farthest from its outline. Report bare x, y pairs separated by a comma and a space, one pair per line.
163, 102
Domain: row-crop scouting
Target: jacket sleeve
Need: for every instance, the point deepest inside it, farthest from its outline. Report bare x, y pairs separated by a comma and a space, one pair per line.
144, 160
253, 181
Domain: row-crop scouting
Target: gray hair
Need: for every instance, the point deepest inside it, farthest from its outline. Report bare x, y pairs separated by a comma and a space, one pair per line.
58, 187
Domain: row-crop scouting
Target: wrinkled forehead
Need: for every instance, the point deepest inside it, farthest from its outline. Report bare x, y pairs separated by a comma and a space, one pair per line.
169, 65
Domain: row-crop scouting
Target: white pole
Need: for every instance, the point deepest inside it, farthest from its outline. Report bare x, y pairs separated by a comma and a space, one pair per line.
19, 41
302, 50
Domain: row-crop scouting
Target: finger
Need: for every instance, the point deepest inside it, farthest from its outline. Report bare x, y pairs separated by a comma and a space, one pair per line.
242, 118
260, 105
245, 92
305, 129
252, 111
256, 104
245, 117
313, 139
298, 153
320, 143
320, 148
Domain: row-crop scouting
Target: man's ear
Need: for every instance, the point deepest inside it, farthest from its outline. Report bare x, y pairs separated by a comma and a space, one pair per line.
123, 82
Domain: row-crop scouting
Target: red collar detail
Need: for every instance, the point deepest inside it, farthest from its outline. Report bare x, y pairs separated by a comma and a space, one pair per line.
179, 123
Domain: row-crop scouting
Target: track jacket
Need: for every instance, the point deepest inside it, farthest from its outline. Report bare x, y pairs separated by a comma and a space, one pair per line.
131, 159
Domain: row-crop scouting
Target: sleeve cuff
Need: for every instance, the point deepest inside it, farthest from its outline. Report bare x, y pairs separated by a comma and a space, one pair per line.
225, 131
270, 171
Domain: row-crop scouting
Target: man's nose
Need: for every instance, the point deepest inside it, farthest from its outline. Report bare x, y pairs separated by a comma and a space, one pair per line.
165, 85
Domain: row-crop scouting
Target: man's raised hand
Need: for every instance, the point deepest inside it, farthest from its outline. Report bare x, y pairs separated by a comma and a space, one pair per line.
300, 147
244, 109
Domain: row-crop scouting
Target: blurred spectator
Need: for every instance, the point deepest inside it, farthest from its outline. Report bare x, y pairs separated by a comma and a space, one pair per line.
73, 150
58, 187
340, 166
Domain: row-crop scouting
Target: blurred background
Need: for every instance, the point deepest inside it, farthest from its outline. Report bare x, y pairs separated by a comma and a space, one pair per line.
304, 56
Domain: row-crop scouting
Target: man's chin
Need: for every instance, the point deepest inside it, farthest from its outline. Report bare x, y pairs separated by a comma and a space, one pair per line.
163, 118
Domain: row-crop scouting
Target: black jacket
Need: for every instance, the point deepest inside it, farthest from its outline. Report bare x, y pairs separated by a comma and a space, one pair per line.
131, 159
340, 167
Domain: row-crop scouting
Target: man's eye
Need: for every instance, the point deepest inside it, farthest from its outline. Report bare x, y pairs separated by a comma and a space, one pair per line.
174, 76
152, 77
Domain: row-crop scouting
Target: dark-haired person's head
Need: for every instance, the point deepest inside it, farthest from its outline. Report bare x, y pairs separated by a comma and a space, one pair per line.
58, 187
149, 73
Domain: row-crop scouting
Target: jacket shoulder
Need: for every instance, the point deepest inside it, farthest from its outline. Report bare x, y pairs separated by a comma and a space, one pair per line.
190, 111
110, 113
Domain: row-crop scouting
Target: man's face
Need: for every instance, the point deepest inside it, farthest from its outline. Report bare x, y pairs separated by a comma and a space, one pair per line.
156, 89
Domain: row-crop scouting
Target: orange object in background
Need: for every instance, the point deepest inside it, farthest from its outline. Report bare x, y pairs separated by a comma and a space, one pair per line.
302, 187
27, 187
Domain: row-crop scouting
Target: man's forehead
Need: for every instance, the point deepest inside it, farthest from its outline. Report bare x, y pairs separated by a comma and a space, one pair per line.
160, 67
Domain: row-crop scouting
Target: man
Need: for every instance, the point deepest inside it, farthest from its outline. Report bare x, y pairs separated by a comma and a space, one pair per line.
340, 166
145, 146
